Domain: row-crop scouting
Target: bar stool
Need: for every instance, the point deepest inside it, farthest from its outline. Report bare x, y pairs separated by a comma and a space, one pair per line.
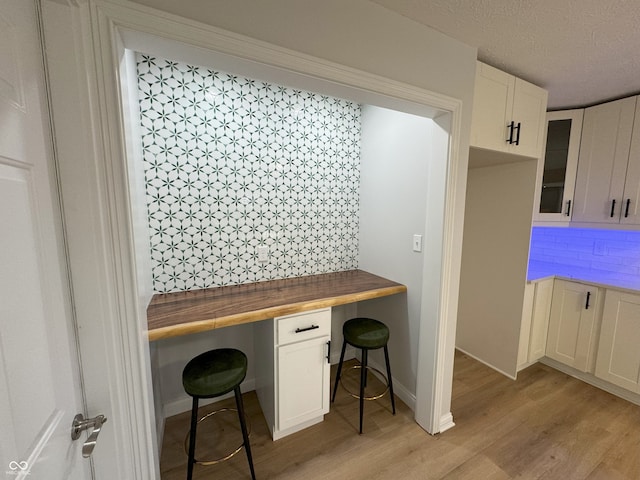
365, 334
210, 375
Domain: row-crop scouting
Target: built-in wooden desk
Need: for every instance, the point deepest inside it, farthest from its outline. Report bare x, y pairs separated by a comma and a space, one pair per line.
175, 314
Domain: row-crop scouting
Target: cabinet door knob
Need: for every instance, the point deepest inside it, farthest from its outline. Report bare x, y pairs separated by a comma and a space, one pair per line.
613, 206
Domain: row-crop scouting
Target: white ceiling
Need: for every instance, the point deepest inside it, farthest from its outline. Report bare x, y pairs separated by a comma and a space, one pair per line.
582, 51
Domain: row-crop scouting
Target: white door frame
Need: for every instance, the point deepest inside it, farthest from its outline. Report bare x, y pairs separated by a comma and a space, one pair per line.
95, 172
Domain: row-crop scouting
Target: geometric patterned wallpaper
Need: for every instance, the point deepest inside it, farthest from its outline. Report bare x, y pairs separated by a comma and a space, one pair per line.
232, 164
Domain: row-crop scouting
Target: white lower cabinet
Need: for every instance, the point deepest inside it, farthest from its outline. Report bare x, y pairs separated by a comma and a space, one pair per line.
303, 382
292, 370
540, 320
619, 350
573, 324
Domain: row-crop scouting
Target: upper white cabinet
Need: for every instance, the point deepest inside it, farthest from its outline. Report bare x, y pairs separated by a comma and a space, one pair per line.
630, 208
557, 173
619, 351
608, 178
508, 113
573, 324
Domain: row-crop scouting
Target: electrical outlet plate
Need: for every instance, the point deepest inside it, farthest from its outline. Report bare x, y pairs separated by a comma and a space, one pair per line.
263, 253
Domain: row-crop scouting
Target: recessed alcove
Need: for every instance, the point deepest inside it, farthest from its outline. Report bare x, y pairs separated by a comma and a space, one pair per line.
398, 181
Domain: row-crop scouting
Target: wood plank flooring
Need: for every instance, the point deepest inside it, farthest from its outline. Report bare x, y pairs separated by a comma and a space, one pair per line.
545, 425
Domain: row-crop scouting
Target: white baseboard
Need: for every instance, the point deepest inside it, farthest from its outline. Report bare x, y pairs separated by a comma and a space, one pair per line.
160, 421
398, 388
527, 365
446, 422
512, 377
184, 404
593, 380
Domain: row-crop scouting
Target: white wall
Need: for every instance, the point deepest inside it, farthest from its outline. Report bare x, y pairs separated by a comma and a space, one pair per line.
395, 165
356, 33
495, 252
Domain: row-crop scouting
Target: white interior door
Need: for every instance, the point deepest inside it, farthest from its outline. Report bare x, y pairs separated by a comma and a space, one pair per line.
40, 389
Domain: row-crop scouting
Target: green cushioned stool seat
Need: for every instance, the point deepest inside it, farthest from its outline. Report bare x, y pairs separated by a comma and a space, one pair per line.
365, 334
212, 374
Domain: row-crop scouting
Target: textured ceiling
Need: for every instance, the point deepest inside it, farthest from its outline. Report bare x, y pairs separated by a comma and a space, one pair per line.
582, 51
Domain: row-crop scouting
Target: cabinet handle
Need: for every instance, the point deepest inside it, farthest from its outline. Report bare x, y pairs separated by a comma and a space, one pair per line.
568, 213
586, 305
613, 206
511, 127
312, 327
626, 209
517, 142
329, 351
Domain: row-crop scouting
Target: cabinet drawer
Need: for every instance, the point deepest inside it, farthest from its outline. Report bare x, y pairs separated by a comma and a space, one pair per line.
303, 326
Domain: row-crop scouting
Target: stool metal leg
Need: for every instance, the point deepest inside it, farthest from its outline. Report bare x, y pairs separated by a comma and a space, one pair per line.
339, 372
363, 380
243, 426
386, 357
192, 438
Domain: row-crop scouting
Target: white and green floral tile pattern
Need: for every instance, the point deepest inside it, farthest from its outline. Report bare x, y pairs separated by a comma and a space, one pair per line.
233, 163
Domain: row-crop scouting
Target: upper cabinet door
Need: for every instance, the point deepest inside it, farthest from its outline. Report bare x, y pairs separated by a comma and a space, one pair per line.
630, 208
602, 164
557, 172
529, 107
492, 106
508, 113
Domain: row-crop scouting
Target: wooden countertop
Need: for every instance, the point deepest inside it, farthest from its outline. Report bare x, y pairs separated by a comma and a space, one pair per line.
181, 313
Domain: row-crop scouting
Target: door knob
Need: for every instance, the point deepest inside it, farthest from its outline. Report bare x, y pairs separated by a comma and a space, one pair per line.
80, 424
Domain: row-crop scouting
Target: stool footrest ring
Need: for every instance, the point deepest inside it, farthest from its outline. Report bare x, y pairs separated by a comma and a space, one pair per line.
371, 397
226, 457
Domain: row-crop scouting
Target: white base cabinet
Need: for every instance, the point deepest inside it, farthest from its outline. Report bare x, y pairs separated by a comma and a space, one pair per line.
303, 382
540, 320
599, 344
535, 322
573, 324
619, 349
292, 370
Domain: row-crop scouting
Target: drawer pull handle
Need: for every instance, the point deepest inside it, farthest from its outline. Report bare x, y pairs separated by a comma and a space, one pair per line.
626, 210
613, 207
312, 327
568, 213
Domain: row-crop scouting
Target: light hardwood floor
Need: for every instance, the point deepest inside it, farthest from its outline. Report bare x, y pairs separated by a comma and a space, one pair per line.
545, 425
